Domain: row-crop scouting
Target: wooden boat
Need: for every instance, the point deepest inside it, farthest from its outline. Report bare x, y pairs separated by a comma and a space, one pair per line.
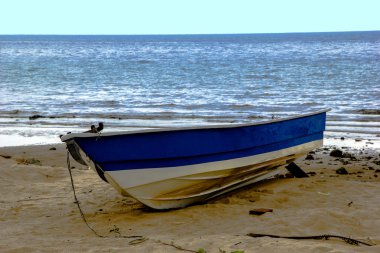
175, 167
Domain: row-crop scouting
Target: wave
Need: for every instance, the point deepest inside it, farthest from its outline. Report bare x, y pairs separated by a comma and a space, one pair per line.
311, 103
353, 117
262, 77
10, 112
238, 106
354, 124
144, 61
161, 105
352, 130
368, 111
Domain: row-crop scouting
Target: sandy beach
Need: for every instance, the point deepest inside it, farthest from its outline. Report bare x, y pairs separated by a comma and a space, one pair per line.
38, 213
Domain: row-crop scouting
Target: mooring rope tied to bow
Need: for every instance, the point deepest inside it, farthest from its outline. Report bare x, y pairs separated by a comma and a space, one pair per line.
81, 211
75, 196
315, 237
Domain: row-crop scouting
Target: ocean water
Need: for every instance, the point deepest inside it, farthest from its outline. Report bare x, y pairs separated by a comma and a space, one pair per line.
50, 85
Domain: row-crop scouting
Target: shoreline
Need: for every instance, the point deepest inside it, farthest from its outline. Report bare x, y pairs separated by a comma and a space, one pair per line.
38, 213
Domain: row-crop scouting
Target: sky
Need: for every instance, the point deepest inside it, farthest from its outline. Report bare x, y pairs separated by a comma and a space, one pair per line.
186, 16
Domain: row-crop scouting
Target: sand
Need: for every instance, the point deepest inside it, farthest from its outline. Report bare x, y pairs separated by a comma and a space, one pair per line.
38, 213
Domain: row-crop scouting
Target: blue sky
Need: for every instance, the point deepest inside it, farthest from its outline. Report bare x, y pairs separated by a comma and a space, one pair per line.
186, 16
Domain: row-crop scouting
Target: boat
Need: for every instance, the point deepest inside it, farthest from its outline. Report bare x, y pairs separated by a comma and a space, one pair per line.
176, 167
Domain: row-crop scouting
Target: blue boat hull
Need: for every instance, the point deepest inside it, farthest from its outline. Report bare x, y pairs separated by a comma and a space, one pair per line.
134, 161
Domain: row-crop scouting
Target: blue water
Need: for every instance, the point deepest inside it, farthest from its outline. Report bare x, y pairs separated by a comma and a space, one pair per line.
131, 82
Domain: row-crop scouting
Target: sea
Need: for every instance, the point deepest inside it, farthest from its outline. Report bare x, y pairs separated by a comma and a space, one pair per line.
54, 84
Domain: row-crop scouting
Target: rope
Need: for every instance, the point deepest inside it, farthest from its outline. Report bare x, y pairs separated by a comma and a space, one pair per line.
76, 199
82, 214
316, 237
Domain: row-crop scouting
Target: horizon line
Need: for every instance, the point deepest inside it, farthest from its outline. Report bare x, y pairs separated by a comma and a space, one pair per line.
173, 34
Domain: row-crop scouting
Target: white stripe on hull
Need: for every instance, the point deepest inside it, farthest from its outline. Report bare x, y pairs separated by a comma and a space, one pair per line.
174, 187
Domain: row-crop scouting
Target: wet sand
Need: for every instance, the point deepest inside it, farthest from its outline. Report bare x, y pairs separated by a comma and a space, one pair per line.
38, 213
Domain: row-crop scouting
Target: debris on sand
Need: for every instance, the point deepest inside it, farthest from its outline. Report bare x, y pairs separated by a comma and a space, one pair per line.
28, 161
341, 171
260, 211
336, 153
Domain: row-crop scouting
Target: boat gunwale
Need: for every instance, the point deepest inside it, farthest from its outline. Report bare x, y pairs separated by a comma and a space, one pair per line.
71, 136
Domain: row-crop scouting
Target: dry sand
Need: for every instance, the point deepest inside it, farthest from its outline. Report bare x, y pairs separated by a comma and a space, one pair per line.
38, 213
